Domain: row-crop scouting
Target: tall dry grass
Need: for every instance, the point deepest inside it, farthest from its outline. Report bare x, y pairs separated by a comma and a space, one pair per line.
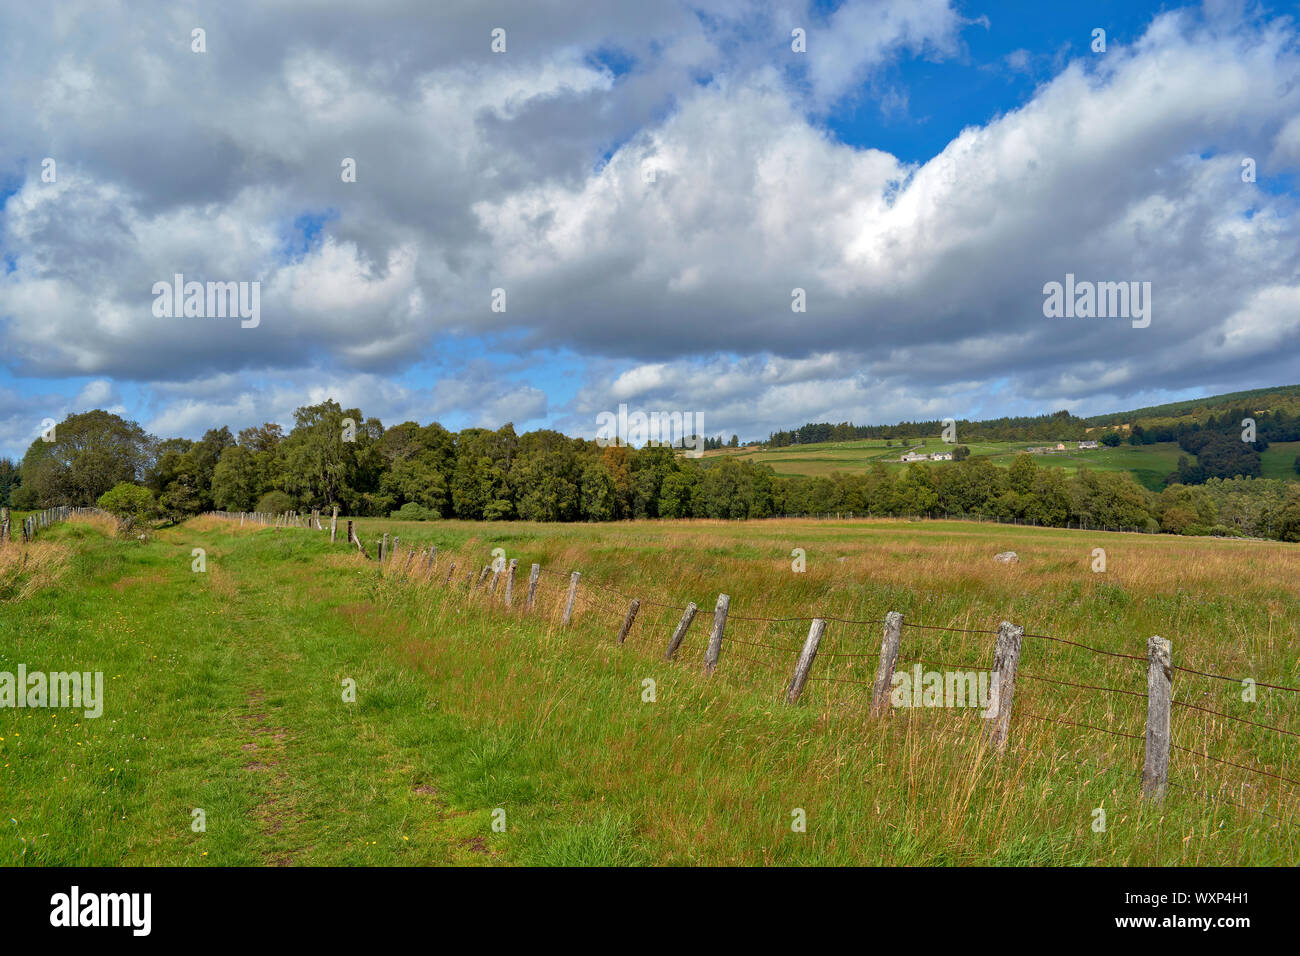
28, 568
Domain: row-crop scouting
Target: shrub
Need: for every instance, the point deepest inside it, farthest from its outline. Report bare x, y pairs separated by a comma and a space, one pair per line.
128, 501
274, 503
413, 511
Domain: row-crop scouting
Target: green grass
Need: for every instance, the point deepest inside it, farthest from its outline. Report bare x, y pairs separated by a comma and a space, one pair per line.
1278, 460
1149, 464
224, 692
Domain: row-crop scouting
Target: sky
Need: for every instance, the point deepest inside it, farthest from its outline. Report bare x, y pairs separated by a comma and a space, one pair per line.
618, 206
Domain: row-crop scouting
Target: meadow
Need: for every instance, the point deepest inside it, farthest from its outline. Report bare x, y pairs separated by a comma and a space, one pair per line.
1149, 464
225, 693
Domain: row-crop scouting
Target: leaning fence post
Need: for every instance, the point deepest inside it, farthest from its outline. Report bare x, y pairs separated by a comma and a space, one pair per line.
680, 633
482, 576
533, 575
715, 635
450, 571
880, 691
510, 581
628, 619
573, 596
1160, 684
805, 663
1006, 658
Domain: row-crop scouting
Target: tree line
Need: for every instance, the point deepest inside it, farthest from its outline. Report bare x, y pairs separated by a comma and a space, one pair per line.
337, 456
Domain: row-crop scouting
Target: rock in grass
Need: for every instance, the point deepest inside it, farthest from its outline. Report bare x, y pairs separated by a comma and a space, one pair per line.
1007, 557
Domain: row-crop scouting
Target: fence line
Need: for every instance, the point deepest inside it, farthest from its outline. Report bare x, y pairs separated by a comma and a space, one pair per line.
38, 521
580, 596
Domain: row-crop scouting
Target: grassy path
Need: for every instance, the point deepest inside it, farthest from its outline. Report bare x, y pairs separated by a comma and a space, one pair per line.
223, 693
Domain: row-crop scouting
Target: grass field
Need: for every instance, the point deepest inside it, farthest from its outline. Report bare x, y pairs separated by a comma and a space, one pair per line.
1278, 460
224, 693
1149, 464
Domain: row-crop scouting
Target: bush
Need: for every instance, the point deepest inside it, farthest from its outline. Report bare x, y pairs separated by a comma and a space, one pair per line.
274, 503
24, 498
128, 502
413, 511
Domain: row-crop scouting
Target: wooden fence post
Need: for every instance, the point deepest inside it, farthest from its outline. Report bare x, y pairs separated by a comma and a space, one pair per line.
1160, 686
1006, 658
334, 523
4, 525
628, 619
482, 576
573, 596
680, 633
410, 556
428, 561
533, 574
450, 571
880, 691
396, 543
715, 636
383, 546
805, 663
510, 581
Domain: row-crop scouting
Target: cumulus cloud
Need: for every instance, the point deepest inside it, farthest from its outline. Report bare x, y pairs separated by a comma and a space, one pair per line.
649, 184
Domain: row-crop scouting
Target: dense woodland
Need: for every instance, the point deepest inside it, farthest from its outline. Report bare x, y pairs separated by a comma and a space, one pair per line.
337, 456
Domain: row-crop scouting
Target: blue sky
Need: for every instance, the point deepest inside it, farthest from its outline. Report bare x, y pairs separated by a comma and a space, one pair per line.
920, 171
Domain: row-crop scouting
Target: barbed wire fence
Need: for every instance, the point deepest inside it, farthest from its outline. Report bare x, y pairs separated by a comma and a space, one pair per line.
38, 521
848, 664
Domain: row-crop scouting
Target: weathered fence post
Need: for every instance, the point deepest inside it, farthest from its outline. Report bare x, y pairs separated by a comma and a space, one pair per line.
628, 619
510, 581
383, 547
428, 561
880, 691
805, 663
1006, 658
450, 571
573, 596
482, 576
4, 525
680, 633
396, 543
496, 573
1160, 684
334, 523
533, 574
715, 635
410, 556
